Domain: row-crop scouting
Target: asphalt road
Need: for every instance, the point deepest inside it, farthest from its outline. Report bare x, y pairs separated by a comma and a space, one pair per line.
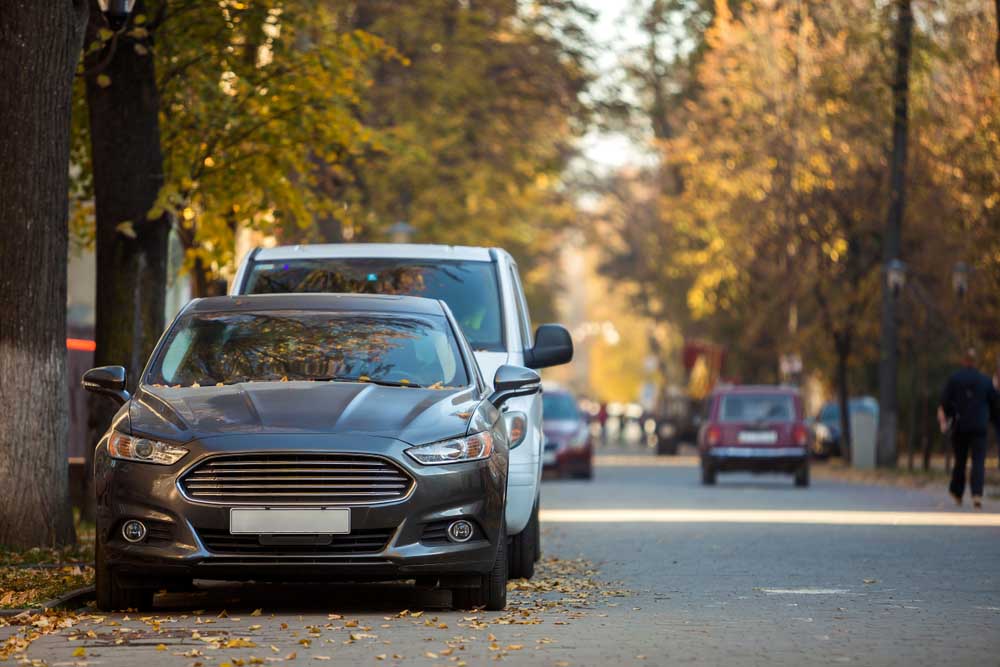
643, 566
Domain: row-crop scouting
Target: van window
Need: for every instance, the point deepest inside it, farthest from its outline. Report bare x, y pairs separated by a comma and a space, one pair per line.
470, 288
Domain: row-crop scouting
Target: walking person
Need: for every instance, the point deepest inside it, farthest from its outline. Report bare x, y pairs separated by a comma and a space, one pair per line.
967, 408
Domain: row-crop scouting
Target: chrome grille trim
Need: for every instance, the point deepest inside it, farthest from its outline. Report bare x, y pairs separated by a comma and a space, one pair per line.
300, 478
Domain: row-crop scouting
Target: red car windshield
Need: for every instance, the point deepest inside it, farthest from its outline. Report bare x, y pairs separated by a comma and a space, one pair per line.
757, 408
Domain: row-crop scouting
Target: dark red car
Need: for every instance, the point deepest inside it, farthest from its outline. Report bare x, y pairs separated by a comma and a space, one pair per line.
569, 451
755, 429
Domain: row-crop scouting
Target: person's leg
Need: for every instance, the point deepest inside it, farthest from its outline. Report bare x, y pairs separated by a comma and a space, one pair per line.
978, 453
960, 446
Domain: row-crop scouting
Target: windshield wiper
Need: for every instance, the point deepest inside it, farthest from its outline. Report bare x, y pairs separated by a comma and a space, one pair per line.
364, 378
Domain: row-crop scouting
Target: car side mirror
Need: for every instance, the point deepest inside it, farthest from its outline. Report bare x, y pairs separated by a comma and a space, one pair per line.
511, 381
109, 380
553, 347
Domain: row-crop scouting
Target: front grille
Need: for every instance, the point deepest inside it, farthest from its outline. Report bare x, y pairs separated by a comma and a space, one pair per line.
358, 542
296, 479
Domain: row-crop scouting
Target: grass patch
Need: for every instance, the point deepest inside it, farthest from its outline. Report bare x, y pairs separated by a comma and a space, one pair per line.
29, 577
31, 586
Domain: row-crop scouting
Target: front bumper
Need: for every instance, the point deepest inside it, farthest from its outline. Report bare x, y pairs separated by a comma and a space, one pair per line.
565, 460
401, 539
757, 459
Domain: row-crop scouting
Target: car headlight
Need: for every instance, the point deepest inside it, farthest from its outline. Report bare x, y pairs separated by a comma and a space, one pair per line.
457, 450
580, 438
133, 448
517, 427
823, 433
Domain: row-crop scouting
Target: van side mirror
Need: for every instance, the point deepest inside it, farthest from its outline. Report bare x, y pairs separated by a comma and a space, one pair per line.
553, 347
108, 380
511, 381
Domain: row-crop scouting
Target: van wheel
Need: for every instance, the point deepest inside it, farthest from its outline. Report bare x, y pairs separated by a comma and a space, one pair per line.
491, 590
111, 594
524, 549
707, 473
802, 475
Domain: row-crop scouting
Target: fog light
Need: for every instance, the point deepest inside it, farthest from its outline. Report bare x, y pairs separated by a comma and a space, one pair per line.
134, 531
460, 531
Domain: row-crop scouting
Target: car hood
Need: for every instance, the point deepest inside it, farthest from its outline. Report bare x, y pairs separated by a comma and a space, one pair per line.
412, 415
561, 428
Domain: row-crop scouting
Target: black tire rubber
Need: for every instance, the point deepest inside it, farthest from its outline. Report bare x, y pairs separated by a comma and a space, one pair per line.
666, 446
802, 475
707, 474
111, 594
586, 474
491, 593
523, 548
538, 538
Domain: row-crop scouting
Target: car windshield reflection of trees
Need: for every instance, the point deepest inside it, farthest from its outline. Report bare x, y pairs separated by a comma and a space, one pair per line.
230, 348
462, 285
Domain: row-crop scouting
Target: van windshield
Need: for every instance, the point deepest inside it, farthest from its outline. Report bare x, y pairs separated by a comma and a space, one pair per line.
468, 287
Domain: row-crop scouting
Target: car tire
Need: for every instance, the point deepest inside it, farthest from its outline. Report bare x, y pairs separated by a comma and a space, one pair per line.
666, 447
523, 549
111, 594
707, 474
802, 475
491, 590
587, 473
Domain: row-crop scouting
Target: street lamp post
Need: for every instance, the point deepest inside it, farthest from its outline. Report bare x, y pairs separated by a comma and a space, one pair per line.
888, 414
116, 11
960, 283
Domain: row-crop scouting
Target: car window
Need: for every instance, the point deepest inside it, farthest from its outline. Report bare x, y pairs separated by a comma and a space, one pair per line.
559, 406
830, 412
757, 408
212, 348
470, 288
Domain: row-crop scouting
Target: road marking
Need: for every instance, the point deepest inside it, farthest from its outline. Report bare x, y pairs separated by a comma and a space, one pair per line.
810, 517
805, 591
645, 461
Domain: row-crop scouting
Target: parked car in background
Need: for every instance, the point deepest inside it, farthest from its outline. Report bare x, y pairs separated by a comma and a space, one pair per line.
483, 289
754, 428
827, 439
569, 447
222, 467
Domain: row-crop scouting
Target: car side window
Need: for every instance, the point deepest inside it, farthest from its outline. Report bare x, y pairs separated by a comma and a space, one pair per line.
524, 322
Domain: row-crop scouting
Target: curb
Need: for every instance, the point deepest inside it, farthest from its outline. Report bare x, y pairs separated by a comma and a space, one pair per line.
71, 600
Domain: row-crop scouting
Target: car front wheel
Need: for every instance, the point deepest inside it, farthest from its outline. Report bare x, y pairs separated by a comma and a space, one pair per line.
524, 549
111, 594
490, 591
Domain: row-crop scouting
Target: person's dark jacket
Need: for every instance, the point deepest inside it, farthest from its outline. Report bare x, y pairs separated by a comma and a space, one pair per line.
970, 400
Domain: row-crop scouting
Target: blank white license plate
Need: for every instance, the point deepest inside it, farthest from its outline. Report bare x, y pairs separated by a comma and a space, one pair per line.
548, 458
289, 521
758, 437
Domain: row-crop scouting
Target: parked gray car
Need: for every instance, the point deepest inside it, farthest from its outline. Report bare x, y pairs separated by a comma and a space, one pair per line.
312, 437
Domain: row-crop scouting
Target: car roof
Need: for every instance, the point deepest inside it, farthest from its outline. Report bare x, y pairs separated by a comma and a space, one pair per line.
382, 303
375, 250
757, 389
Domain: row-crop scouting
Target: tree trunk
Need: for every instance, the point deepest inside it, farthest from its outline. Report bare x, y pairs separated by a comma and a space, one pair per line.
888, 362
843, 348
998, 32
128, 175
39, 49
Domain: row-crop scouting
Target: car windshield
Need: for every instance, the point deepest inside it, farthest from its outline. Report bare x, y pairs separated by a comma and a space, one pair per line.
830, 413
559, 406
279, 346
757, 408
468, 287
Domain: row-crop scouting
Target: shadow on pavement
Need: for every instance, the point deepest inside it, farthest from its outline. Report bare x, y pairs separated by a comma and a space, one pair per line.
237, 598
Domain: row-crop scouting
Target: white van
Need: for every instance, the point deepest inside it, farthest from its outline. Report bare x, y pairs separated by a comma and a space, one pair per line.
483, 289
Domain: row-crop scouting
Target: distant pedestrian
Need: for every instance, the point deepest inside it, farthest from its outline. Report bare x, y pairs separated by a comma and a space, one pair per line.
967, 408
602, 419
